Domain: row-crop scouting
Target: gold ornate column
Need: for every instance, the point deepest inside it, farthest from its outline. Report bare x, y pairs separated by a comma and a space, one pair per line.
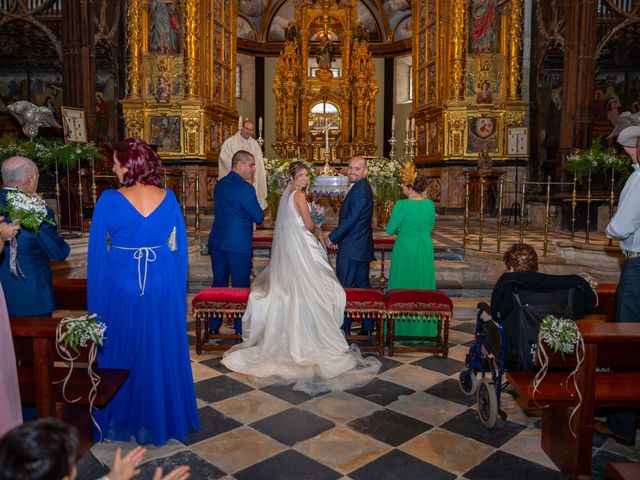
191, 49
515, 50
134, 61
458, 49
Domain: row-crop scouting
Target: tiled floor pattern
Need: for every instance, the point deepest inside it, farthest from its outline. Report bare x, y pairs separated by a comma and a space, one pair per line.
411, 422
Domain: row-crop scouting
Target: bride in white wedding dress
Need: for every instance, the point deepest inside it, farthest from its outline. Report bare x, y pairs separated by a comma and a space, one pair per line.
291, 327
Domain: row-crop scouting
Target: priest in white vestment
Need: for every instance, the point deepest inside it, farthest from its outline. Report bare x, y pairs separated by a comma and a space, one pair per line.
243, 140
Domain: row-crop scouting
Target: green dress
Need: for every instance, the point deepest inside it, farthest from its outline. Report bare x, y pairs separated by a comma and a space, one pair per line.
412, 261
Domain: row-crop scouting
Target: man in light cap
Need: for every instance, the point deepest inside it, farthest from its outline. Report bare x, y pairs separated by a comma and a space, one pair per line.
625, 226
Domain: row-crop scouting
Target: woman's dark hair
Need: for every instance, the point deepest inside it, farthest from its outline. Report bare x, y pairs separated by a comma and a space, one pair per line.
521, 258
44, 449
143, 163
295, 167
421, 183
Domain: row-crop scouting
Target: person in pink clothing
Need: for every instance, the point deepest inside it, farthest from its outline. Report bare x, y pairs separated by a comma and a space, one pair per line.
10, 411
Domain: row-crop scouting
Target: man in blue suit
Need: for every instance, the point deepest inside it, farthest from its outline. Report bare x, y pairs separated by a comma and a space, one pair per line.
29, 292
353, 237
236, 209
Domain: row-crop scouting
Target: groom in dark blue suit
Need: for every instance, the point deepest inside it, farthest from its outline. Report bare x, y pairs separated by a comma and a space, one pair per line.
236, 209
353, 237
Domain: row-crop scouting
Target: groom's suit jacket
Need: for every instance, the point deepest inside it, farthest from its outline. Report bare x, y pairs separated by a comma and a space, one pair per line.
236, 209
353, 235
31, 295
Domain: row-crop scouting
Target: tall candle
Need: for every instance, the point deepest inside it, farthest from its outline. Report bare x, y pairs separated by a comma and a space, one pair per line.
260, 125
408, 126
413, 126
240, 122
393, 125
326, 138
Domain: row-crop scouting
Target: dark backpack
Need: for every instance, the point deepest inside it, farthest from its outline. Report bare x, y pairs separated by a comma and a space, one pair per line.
523, 323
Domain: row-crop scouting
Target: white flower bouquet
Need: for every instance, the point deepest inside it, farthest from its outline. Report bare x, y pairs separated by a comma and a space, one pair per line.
560, 334
29, 210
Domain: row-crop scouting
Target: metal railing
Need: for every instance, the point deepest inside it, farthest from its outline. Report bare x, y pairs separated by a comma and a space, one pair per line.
550, 193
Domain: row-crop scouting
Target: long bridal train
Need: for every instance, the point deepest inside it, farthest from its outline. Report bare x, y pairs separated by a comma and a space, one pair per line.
291, 327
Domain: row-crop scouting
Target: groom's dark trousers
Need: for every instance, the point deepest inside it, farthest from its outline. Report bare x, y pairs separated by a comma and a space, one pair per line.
236, 209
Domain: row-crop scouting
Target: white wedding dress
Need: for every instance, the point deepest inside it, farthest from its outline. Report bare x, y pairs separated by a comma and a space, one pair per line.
291, 327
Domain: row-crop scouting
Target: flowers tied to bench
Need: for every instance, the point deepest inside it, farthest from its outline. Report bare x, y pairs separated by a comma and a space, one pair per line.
71, 334
560, 335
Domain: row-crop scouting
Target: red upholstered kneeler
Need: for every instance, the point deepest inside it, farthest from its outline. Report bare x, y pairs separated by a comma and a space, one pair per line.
405, 305
367, 303
226, 303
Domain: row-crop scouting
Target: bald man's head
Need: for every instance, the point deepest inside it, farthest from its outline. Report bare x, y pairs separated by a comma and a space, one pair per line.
21, 173
357, 169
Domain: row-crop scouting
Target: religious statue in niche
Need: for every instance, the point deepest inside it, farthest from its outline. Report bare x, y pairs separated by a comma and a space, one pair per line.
483, 15
484, 95
163, 89
291, 32
325, 54
484, 160
165, 28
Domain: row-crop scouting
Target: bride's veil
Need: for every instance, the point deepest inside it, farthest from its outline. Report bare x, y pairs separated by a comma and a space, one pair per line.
294, 314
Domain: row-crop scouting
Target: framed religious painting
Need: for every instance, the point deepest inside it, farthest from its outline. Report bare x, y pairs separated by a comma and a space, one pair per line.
482, 134
165, 133
74, 124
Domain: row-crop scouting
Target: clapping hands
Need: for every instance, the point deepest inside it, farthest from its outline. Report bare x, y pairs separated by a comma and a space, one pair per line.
127, 468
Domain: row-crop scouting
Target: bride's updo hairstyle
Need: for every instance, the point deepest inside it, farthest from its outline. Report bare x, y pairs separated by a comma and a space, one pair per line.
295, 167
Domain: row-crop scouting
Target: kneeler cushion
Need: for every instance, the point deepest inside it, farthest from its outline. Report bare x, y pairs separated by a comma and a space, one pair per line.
410, 300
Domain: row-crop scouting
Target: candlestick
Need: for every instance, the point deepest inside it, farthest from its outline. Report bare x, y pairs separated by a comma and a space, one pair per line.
413, 127
260, 125
393, 124
408, 126
326, 138
240, 122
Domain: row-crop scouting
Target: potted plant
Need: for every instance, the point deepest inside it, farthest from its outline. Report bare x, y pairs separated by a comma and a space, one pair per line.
601, 161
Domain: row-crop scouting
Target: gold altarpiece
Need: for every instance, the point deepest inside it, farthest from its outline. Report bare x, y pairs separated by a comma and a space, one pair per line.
181, 58
467, 58
325, 86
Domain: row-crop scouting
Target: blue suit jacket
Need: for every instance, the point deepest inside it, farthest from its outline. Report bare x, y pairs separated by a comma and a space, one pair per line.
353, 235
32, 294
236, 209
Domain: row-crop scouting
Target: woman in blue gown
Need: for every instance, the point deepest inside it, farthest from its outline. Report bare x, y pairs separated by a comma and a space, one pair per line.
136, 282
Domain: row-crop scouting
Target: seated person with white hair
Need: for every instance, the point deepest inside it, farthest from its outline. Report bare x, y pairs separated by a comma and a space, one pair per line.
26, 276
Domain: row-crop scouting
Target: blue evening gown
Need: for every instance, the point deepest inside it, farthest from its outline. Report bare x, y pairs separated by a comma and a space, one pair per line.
136, 283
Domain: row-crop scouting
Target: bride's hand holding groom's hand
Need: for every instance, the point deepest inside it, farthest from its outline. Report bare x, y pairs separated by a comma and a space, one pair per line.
329, 244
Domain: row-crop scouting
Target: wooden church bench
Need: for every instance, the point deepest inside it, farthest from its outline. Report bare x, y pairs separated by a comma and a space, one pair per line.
623, 470
70, 293
613, 345
39, 366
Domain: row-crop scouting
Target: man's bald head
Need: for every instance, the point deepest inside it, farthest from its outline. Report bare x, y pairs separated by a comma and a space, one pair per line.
357, 169
21, 173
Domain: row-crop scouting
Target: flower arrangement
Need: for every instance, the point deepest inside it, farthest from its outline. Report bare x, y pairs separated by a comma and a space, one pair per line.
46, 152
71, 334
76, 332
598, 159
318, 213
29, 210
384, 177
560, 334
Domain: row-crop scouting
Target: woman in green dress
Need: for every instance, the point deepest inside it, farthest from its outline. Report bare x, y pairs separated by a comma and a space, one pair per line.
412, 260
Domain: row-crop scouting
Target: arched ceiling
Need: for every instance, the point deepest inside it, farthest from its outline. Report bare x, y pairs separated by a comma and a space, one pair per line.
263, 21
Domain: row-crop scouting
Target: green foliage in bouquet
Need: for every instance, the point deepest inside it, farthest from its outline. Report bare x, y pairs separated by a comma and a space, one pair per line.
599, 160
45, 152
76, 332
560, 334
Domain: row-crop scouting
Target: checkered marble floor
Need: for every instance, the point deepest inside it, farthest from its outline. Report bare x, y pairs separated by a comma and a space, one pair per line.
411, 422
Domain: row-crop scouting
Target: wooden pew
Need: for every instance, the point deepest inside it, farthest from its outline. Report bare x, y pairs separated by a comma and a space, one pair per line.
623, 470
39, 367
613, 345
70, 293
606, 301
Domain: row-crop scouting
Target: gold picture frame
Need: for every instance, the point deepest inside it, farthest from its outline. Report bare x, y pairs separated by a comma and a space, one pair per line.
74, 123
